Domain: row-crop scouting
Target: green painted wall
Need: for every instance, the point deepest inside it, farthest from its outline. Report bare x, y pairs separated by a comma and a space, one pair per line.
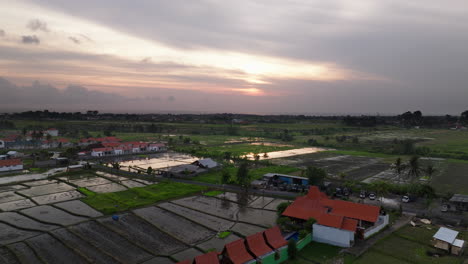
270, 259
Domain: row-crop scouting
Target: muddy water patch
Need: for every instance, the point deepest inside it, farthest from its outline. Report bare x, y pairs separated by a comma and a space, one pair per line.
79, 208
39, 182
261, 202
257, 216
143, 234
92, 254
246, 229
241, 198
217, 207
9, 234
11, 188
17, 205
87, 181
24, 222
190, 253
6, 256
47, 189
132, 184
107, 188
24, 253
110, 242
49, 214
178, 227
9, 196
272, 206
57, 197
53, 251
209, 221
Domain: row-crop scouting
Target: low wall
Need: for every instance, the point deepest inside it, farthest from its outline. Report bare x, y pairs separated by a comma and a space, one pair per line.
382, 223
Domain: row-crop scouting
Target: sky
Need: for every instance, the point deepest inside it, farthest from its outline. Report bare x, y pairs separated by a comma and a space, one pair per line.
245, 56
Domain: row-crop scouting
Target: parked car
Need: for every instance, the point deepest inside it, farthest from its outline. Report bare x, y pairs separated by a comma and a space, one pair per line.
362, 194
372, 196
338, 192
346, 191
445, 208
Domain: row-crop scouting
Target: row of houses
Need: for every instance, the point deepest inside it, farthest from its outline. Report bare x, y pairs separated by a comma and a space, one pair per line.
122, 148
268, 246
7, 165
32, 139
338, 222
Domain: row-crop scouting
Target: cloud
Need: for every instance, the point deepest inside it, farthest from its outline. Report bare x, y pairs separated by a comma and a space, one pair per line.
146, 60
37, 25
2, 33
74, 40
30, 39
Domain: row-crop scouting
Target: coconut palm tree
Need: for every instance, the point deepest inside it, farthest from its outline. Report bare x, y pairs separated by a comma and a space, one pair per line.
399, 167
414, 168
430, 170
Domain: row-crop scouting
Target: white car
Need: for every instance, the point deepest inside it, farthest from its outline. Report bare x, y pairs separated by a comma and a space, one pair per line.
372, 196
405, 199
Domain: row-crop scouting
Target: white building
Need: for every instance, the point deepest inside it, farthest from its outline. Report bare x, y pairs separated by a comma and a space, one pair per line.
11, 165
101, 152
52, 131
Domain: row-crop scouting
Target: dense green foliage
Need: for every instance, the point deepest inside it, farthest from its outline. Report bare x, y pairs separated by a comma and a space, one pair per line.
109, 203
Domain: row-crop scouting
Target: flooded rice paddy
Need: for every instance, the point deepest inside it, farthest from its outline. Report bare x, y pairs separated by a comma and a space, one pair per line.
46, 220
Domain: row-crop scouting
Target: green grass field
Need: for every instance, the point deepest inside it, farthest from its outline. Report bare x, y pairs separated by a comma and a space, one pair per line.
109, 203
214, 176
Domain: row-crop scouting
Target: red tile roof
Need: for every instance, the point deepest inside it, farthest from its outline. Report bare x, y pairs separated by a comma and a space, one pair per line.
111, 144
256, 244
10, 162
209, 258
102, 149
328, 212
274, 238
237, 252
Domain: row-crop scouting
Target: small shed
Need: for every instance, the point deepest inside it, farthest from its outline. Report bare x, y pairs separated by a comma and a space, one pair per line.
458, 246
460, 201
446, 239
206, 163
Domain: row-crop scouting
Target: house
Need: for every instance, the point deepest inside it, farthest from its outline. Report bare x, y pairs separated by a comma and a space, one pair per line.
460, 202
52, 131
236, 253
208, 258
3, 157
446, 239
157, 147
64, 143
100, 152
206, 163
257, 245
338, 222
11, 165
14, 154
274, 239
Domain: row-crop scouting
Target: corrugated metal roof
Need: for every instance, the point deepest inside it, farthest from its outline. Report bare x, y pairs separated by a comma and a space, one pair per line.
458, 243
459, 198
445, 234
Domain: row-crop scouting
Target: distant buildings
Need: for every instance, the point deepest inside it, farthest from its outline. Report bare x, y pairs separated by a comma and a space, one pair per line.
122, 148
10, 165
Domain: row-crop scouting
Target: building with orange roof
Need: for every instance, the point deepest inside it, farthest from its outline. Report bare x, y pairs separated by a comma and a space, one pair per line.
338, 222
257, 245
236, 253
11, 165
208, 258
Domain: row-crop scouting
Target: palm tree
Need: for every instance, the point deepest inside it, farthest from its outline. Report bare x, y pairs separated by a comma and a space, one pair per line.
414, 169
430, 170
399, 167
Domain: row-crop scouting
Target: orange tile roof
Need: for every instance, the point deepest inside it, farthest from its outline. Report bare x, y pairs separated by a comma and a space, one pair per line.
256, 244
328, 212
237, 252
274, 238
10, 162
209, 258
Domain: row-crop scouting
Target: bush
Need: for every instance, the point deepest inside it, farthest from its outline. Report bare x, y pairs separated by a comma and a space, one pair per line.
281, 208
303, 233
308, 225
